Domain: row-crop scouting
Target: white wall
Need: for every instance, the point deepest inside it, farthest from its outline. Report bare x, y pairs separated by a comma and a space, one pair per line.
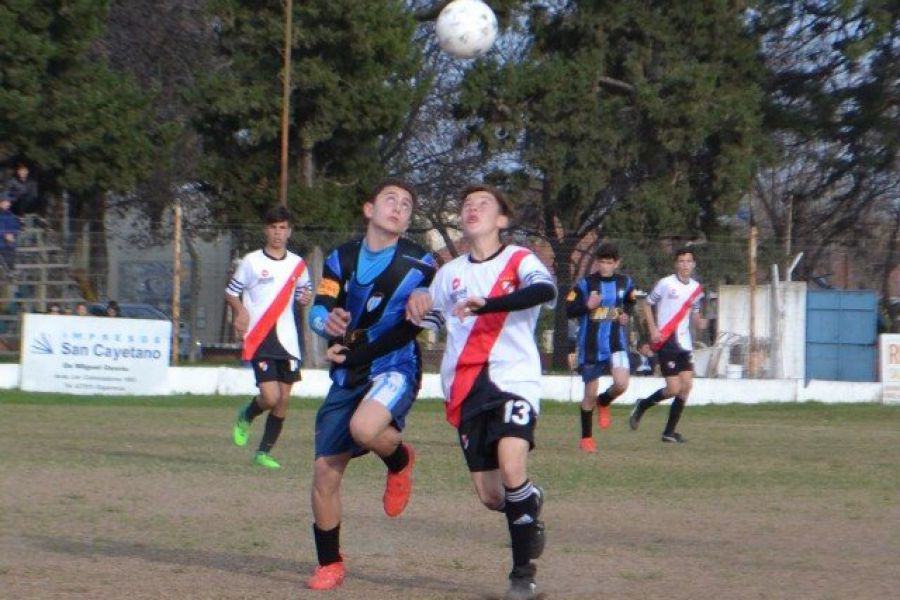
734, 317
229, 381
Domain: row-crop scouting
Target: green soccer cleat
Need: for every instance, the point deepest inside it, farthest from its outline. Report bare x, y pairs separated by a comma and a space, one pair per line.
241, 430
264, 460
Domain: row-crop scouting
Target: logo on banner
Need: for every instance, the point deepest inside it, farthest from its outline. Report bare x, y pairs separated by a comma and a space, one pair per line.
41, 344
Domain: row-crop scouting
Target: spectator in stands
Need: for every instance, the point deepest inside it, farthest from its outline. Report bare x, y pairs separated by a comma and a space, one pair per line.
54, 309
112, 309
643, 361
23, 192
81, 310
9, 231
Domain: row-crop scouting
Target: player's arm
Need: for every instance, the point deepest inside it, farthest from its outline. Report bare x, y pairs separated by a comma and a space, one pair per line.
240, 319
326, 317
650, 317
537, 288
575, 300
697, 318
391, 340
303, 290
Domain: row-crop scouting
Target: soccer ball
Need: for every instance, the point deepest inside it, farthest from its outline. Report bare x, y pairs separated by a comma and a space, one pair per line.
466, 28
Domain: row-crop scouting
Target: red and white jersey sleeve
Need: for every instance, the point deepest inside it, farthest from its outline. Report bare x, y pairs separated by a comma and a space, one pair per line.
258, 280
669, 295
506, 344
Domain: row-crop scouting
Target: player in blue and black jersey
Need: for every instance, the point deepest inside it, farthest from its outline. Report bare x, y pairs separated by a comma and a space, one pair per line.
360, 307
602, 302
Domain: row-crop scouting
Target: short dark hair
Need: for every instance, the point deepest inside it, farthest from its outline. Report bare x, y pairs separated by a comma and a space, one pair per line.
278, 214
395, 182
505, 208
685, 250
607, 250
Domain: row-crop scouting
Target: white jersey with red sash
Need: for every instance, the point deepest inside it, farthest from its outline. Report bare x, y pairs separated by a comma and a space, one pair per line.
674, 301
502, 342
268, 288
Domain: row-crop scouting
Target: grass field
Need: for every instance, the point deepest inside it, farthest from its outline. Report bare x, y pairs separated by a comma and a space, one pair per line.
147, 498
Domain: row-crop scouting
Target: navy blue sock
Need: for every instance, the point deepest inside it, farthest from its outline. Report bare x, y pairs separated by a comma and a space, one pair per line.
271, 433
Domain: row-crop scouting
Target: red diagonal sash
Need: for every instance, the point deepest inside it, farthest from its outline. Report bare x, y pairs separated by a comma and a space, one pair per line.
484, 334
669, 328
262, 328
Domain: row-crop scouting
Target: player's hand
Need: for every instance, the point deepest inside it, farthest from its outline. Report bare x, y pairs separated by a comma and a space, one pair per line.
334, 355
655, 335
241, 322
417, 306
593, 300
623, 318
467, 307
305, 297
337, 322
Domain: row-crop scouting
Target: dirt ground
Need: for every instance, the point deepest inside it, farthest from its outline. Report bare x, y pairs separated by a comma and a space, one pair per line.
89, 514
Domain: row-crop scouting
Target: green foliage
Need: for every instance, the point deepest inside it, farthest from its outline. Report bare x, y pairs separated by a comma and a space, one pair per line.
646, 109
353, 67
62, 107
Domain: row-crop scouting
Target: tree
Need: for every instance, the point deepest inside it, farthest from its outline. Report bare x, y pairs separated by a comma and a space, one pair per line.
833, 114
626, 116
353, 77
62, 108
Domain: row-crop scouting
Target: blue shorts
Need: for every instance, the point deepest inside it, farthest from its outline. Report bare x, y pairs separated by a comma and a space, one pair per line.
591, 371
392, 390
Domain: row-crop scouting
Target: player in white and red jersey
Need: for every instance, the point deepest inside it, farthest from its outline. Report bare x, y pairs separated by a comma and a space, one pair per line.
489, 301
677, 298
262, 294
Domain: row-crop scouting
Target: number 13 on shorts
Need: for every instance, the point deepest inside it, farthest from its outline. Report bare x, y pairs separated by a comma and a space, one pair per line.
517, 412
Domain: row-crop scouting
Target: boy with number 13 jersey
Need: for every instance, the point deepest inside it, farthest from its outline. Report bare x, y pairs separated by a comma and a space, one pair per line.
489, 300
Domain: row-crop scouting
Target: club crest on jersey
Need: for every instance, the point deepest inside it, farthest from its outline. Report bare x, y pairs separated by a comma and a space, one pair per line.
508, 286
455, 283
374, 301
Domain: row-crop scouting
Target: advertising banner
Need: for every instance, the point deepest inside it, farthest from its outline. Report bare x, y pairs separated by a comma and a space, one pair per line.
95, 355
890, 368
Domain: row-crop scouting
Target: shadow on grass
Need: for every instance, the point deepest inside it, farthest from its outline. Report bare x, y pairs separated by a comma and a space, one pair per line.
236, 562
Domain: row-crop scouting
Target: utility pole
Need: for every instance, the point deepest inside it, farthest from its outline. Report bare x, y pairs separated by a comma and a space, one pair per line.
286, 99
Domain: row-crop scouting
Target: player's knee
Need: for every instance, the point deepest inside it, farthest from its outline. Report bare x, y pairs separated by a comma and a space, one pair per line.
492, 500
363, 434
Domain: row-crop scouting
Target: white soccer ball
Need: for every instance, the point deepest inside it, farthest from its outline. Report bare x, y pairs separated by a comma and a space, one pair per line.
466, 28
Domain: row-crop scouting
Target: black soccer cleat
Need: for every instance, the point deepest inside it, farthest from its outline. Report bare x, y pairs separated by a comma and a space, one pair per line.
673, 438
521, 583
634, 420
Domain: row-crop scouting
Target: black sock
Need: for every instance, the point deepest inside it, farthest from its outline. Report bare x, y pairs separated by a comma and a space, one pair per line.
605, 399
521, 517
652, 400
586, 423
674, 414
328, 544
271, 433
397, 460
252, 410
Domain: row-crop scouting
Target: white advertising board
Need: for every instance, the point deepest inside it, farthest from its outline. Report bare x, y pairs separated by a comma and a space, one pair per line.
890, 368
95, 355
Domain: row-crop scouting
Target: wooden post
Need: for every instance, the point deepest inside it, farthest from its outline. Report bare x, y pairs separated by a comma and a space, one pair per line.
752, 354
286, 100
176, 283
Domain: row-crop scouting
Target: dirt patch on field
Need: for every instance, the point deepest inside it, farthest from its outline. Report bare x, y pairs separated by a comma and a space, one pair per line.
90, 516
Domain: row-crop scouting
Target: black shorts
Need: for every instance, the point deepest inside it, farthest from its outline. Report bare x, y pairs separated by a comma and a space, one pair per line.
672, 363
479, 435
283, 370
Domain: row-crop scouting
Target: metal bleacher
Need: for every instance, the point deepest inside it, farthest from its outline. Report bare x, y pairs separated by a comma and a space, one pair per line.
43, 276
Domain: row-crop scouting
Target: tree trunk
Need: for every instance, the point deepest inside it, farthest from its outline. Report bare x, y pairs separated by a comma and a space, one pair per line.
564, 270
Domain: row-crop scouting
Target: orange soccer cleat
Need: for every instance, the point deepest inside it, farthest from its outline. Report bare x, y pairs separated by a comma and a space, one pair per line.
398, 487
327, 577
603, 417
587, 445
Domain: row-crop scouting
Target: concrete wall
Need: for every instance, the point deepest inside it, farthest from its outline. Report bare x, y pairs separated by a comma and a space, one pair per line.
229, 381
734, 317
